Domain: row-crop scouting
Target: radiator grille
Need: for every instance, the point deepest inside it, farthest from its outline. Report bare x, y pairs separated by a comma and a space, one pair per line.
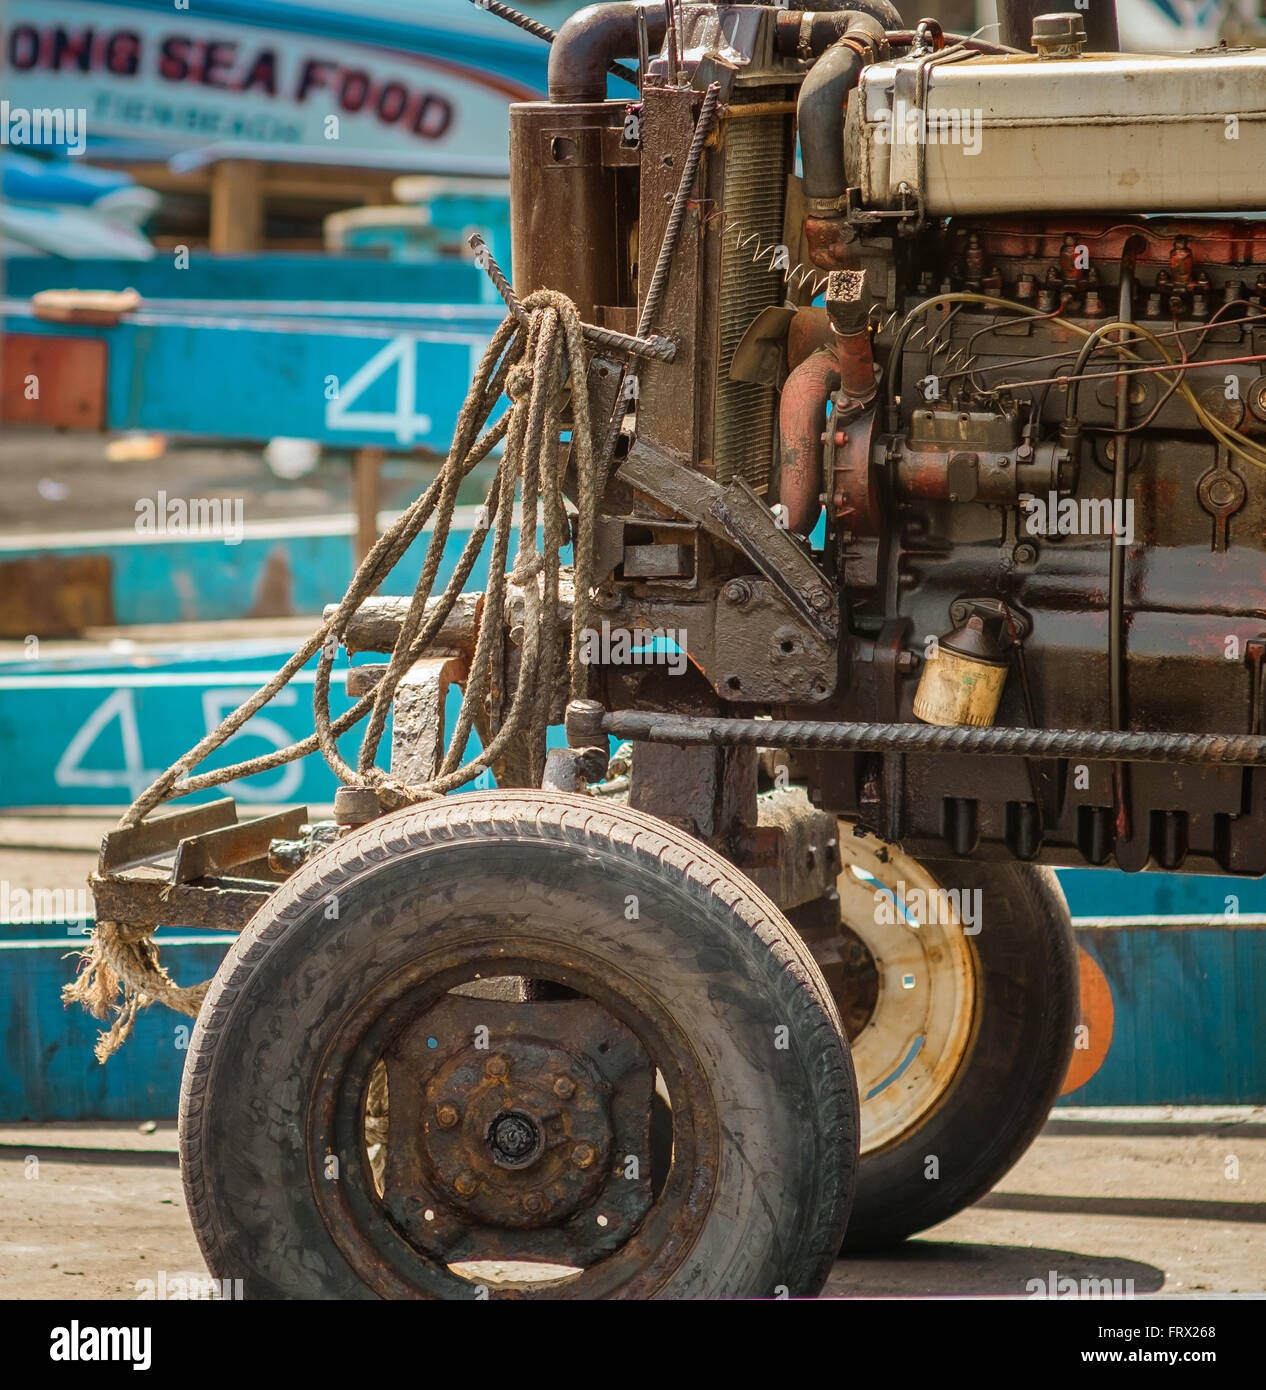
752, 190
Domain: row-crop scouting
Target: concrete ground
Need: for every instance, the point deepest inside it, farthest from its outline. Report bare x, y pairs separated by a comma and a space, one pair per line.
1172, 1199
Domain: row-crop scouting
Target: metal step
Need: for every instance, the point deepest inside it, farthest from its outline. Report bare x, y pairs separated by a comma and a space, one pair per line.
198, 867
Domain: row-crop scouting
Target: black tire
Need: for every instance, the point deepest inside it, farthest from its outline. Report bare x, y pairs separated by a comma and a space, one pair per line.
1022, 1038
707, 949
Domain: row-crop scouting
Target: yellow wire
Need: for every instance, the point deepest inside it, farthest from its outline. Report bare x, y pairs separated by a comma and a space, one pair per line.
1239, 444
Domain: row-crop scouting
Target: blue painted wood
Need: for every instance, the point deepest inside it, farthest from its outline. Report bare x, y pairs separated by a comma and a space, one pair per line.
351, 384
324, 281
1187, 1003
104, 734
1101, 893
50, 1073
168, 579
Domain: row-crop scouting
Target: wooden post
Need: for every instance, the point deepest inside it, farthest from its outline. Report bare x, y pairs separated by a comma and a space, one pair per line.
366, 473
237, 205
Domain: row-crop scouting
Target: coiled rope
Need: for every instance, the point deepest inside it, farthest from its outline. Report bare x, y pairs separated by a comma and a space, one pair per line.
532, 361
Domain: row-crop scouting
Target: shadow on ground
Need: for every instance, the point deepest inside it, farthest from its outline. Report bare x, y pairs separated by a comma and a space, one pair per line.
945, 1269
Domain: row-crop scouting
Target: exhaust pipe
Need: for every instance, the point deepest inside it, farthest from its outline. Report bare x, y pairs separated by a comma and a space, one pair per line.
590, 40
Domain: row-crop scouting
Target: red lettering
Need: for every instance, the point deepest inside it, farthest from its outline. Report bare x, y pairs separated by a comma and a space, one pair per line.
262, 74
433, 117
391, 102
24, 48
74, 49
312, 78
354, 91
173, 62
215, 67
123, 53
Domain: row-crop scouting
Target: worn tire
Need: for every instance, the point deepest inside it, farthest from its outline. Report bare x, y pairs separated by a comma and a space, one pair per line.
714, 953
1026, 1010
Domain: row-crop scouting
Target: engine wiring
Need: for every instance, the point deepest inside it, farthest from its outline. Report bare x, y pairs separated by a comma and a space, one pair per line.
1233, 439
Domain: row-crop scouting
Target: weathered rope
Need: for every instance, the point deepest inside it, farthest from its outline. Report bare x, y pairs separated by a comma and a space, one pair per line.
532, 363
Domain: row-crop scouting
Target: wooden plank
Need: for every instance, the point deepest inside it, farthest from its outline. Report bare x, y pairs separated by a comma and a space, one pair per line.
152, 903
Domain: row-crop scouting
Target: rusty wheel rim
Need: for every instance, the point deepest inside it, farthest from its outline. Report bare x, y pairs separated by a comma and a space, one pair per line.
910, 988
388, 1249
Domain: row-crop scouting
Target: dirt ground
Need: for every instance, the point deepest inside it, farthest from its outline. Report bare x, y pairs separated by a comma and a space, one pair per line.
1172, 1199
1151, 1196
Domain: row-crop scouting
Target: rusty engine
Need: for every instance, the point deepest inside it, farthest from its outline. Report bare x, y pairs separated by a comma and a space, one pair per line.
950, 469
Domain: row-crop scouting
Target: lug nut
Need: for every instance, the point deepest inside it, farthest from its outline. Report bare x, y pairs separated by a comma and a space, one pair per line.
583, 1155
495, 1066
534, 1203
464, 1184
446, 1115
564, 1087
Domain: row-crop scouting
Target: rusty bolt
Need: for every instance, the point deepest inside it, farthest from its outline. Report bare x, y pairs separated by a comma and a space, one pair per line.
447, 1115
738, 591
583, 1155
820, 600
464, 1184
1257, 397
564, 1087
496, 1066
534, 1203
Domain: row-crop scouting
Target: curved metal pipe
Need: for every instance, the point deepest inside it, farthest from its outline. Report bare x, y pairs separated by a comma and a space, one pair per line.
808, 332
802, 422
801, 34
592, 39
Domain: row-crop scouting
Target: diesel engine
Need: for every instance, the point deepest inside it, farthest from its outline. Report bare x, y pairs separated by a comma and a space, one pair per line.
958, 426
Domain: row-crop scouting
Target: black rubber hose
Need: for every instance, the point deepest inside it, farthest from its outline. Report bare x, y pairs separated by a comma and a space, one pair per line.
591, 40
820, 112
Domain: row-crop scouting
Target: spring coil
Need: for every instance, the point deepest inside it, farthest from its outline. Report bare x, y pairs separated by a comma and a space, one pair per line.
796, 276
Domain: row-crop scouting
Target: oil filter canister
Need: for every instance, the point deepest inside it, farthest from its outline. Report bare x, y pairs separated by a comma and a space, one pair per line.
962, 680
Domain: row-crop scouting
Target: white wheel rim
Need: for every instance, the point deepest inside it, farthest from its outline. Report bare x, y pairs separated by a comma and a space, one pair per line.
907, 1055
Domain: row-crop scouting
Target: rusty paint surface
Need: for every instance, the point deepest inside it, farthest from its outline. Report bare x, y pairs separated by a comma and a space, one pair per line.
55, 595
68, 375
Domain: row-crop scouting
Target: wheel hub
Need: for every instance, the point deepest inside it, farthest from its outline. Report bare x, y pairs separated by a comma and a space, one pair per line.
518, 1137
514, 1139
511, 1130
